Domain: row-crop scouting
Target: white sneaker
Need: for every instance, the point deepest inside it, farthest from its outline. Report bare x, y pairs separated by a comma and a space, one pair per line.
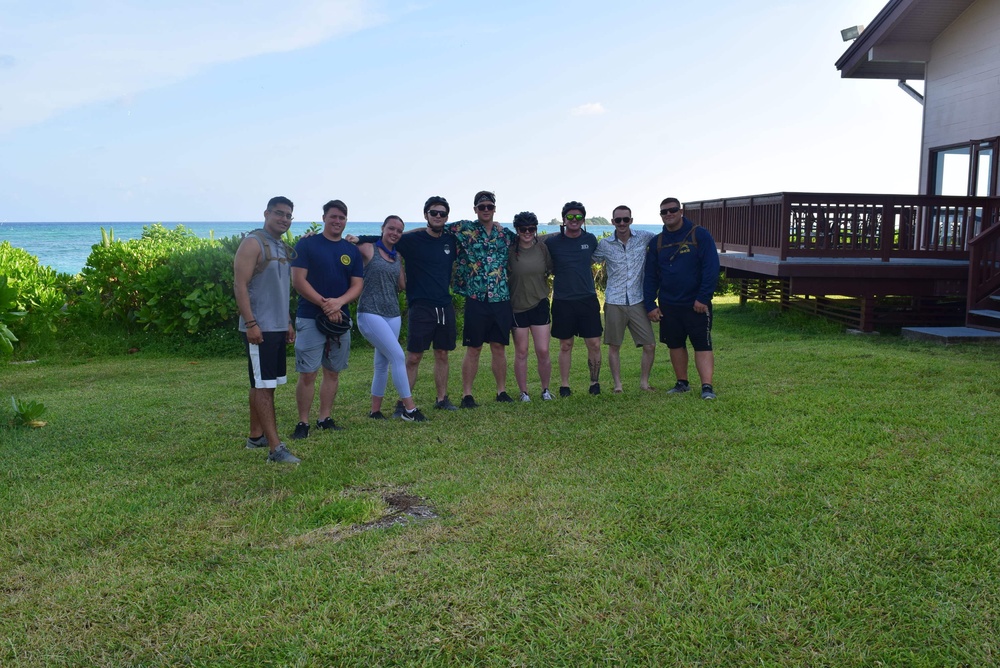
546, 395
525, 397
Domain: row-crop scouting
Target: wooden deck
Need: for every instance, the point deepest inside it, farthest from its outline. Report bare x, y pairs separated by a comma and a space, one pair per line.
870, 261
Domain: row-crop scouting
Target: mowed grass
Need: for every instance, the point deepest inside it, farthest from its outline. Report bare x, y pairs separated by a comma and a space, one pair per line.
837, 505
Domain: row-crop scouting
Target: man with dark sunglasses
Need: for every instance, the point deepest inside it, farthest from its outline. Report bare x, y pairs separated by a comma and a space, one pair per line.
624, 257
682, 271
481, 277
429, 256
575, 308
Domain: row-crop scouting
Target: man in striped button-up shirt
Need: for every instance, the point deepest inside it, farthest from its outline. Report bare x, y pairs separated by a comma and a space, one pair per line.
624, 255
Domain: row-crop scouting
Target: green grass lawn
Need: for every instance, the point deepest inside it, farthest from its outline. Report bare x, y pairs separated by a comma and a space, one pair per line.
837, 505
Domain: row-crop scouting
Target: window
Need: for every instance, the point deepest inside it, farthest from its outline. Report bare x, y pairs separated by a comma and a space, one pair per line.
966, 169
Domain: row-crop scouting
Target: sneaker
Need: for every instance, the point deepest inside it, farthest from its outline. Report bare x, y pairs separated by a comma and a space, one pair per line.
328, 424
546, 395
681, 386
377, 415
281, 455
413, 416
707, 392
301, 431
259, 442
445, 405
525, 397
504, 398
468, 402
595, 388
565, 391
398, 411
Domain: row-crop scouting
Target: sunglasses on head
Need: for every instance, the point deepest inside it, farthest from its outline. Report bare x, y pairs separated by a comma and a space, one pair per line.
437, 214
485, 207
672, 209
574, 216
532, 229
623, 219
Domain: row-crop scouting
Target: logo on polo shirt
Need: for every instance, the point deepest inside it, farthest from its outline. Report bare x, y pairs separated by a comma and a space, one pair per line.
345, 260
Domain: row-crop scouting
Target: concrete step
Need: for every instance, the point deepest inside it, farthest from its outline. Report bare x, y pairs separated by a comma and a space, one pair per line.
948, 335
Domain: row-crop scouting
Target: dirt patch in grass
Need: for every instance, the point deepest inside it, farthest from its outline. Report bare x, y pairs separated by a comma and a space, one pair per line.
401, 508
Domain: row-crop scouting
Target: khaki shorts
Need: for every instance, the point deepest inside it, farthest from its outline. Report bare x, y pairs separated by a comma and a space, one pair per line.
617, 318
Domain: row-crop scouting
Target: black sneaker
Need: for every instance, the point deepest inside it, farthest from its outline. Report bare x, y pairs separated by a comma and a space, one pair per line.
681, 386
468, 402
565, 391
707, 392
595, 388
328, 424
445, 405
301, 431
413, 416
377, 415
504, 398
398, 411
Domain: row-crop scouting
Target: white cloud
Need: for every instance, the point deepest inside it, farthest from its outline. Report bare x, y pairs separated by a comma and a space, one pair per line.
589, 109
108, 50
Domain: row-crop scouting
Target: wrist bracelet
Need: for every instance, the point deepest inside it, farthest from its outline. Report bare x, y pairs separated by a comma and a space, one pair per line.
252, 323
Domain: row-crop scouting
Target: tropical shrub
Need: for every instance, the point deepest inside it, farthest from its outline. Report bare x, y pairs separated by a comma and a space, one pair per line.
39, 291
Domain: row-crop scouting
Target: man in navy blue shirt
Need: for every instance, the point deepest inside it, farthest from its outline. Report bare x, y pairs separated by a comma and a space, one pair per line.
328, 274
682, 270
575, 308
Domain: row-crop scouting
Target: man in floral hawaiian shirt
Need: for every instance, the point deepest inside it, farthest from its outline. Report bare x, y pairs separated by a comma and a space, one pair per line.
481, 277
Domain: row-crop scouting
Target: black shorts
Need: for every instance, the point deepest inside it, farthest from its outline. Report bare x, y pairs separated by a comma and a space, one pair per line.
267, 360
576, 317
486, 322
431, 325
533, 317
682, 322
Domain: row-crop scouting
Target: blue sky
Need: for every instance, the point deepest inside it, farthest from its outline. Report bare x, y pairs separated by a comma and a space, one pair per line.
200, 111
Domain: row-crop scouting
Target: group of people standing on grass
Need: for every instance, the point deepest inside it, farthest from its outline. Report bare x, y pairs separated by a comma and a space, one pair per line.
668, 278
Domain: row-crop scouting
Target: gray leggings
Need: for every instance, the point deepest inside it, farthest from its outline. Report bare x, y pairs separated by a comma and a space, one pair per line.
383, 333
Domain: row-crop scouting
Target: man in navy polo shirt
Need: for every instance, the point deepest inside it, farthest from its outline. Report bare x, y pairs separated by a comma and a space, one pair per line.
328, 274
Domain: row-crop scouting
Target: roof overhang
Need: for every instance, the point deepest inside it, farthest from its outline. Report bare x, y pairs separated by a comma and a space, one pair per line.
897, 43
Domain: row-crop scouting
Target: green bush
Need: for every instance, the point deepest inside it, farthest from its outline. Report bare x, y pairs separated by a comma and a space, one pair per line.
39, 291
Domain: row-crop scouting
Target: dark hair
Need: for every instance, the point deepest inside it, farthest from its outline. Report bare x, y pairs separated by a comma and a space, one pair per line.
484, 194
275, 201
335, 204
669, 200
388, 218
622, 206
437, 199
569, 206
525, 219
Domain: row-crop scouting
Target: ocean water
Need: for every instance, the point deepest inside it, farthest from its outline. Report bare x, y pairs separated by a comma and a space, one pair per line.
66, 246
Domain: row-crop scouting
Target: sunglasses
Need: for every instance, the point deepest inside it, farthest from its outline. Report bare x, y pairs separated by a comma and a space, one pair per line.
437, 214
531, 229
622, 220
574, 216
485, 207
672, 209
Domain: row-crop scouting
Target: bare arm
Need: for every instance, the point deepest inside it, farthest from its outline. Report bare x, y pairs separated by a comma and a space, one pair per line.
244, 264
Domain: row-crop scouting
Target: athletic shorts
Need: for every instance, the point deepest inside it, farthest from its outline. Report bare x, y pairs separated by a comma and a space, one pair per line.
431, 325
533, 317
617, 317
576, 317
266, 360
312, 348
486, 322
682, 322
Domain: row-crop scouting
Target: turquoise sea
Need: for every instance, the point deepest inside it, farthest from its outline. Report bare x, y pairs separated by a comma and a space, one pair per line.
66, 246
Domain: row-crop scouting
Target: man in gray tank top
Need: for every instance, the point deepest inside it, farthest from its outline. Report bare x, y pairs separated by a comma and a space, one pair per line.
261, 284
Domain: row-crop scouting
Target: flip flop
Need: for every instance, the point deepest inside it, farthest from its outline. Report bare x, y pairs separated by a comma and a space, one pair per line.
618, 391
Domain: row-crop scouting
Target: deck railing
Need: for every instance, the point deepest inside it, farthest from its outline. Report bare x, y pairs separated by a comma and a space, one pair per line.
984, 264
837, 225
